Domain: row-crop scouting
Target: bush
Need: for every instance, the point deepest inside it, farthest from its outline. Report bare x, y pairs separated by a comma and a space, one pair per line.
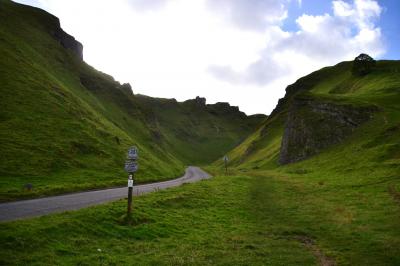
363, 64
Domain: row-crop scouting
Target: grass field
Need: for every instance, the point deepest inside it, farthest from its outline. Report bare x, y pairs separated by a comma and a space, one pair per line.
256, 218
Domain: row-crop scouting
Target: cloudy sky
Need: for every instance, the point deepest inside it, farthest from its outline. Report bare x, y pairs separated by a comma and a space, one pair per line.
241, 51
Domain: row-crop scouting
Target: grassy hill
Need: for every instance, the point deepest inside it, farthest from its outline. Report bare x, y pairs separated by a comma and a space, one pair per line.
66, 126
371, 143
316, 183
339, 193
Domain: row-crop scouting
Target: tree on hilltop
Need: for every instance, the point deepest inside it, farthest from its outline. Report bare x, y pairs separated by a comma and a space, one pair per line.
363, 64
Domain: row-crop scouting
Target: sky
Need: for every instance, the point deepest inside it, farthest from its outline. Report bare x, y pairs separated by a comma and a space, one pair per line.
244, 52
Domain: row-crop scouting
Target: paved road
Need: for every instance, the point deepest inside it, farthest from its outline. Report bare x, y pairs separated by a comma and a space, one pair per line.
38, 207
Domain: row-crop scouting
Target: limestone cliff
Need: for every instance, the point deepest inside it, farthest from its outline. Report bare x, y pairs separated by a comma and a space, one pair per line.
313, 125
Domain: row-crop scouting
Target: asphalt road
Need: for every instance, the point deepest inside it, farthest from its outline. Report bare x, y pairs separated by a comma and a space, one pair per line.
38, 207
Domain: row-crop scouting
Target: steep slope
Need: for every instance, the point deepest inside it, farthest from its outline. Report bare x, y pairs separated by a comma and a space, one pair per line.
66, 126
327, 162
334, 117
209, 129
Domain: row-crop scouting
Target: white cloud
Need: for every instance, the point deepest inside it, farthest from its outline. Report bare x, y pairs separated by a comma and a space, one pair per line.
251, 14
361, 14
320, 40
226, 50
342, 9
147, 5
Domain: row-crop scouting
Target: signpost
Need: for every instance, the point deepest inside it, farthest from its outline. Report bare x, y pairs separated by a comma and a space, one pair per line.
131, 167
226, 159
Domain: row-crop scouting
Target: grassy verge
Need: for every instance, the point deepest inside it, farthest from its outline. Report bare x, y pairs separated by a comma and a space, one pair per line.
12, 189
254, 219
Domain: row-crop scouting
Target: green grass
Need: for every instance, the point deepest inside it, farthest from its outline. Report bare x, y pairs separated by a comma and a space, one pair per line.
347, 196
341, 205
253, 218
380, 89
66, 126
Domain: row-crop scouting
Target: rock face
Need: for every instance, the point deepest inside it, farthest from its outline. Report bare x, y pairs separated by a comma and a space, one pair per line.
198, 101
67, 41
224, 108
313, 125
126, 87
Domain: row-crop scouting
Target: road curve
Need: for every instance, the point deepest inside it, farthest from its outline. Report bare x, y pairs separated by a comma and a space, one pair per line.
37, 207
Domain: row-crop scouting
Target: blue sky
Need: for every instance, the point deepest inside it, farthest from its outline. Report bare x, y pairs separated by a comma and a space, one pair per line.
389, 21
240, 51
390, 24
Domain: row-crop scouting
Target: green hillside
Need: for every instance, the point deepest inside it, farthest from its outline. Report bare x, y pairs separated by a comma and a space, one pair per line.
371, 144
66, 126
327, 164
317, 182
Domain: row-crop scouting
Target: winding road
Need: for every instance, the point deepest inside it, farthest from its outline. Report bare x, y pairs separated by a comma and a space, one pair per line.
37, 207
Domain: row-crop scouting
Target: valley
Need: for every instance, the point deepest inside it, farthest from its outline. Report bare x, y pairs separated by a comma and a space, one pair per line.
66, 126
316, 182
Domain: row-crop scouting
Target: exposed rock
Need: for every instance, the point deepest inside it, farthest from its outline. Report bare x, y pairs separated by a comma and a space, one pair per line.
126, 87
279, 107
313, 125
66, 40
250, 149
199, 101
51, 24
90, 83
224, 108
258, 116
301, 85
100, 82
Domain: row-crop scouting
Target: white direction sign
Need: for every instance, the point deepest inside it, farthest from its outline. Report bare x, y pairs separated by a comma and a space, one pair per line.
132, 153
226, 158
131, 166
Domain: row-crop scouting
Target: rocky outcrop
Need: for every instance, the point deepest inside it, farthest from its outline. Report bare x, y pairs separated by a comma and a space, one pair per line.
224, 108
313, 125
47, 22
68, 41
127, 88
198, 101
301, 85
